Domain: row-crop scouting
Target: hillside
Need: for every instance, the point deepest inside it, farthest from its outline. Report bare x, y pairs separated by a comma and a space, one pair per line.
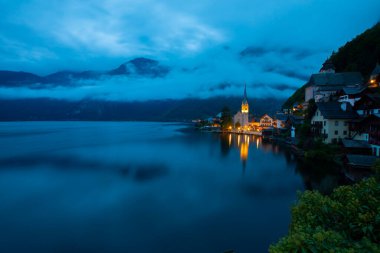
361, 54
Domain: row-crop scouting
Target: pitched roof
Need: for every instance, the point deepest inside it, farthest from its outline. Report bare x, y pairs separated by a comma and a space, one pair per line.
353, 90
335, 79
266, 115
361, 160
368, 101
294, 119
355, 144
333, 110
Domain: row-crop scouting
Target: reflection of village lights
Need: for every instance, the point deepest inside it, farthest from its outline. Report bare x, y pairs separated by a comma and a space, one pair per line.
229, 139
257, 143
248, 140
244, 151
238, 140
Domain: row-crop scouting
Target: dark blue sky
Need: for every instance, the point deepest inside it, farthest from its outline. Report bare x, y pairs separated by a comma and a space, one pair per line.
288, 41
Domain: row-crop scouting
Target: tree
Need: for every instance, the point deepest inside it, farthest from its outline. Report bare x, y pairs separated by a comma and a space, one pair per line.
226, 119
237, 124
348, 220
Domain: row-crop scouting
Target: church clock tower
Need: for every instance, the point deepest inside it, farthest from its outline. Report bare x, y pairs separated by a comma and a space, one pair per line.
244, 109
244, 103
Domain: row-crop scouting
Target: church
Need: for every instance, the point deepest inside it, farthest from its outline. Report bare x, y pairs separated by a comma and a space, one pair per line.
241, 118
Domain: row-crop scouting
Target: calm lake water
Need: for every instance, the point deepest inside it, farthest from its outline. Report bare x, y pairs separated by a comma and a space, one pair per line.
140, 187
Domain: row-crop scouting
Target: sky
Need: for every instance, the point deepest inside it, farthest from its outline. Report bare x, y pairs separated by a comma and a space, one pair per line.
284, 42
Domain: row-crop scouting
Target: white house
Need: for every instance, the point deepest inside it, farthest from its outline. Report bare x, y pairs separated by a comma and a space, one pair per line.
331, 120
266, 121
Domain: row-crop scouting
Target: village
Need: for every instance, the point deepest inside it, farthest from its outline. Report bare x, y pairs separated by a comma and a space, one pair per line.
341, 109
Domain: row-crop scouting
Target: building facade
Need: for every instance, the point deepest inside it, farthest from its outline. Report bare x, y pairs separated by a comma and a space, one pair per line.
331, 121
323, 85
266, 121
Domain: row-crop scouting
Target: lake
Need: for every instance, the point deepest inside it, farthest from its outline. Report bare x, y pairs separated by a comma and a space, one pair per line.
141, 187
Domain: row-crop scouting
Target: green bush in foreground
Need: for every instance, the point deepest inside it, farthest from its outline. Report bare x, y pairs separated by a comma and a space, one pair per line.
348, 220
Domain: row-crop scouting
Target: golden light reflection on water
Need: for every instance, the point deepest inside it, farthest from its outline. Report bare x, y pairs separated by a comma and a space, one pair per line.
244, 151
241, 143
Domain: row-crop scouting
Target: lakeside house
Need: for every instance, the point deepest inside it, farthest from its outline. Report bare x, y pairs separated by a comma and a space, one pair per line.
351, 117
280, 120
266, 121
331, 120
323, 85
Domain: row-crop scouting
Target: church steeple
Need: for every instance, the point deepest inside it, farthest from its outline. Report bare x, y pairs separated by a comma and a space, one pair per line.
244, 103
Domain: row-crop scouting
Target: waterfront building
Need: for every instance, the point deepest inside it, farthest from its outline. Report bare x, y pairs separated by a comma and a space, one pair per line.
323, 85
266, 121
241, 117
280, 120
331, 121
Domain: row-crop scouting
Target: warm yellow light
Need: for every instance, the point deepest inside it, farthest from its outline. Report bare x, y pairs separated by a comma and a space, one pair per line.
372, 81
229, 139
244, 151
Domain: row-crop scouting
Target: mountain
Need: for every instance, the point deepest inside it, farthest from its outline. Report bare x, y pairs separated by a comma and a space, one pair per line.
13, 78
360, 54
138, 67
68, 77
141, 67
153, 110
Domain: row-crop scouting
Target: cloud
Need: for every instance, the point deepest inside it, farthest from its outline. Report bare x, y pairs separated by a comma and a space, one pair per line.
282, 43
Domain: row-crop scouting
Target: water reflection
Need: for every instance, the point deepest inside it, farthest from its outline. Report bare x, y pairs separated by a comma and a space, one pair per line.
323, 178
141, 187
242, 143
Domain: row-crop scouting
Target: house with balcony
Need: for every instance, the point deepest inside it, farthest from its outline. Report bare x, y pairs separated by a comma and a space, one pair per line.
368, 104
266, 121
369, 127
331, 121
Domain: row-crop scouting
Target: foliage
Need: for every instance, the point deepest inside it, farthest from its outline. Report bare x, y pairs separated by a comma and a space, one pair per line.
226, 119
361, 54
310, 111
346, 221
376, 169
297, 97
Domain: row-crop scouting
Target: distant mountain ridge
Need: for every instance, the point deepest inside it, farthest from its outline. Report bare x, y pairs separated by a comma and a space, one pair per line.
138, 67
152, 110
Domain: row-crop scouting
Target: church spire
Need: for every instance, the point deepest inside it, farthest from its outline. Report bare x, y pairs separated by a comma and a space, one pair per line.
245, 99
244, 103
